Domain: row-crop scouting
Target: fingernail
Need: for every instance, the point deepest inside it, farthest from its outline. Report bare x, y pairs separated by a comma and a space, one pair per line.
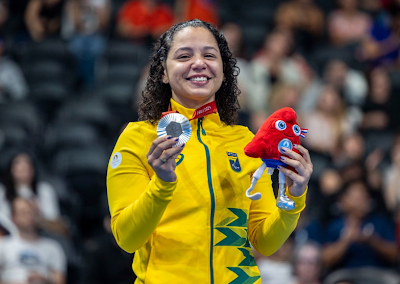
177, 139
279, 167
294, 145
282, 158
183, 145
169, 137
283, 149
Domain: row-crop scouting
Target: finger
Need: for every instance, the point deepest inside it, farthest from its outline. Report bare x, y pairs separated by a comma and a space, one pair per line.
295, 177
172, 153
295, 164
295, 156
161, 147
289, 181
172, 159
156, 142
305, 153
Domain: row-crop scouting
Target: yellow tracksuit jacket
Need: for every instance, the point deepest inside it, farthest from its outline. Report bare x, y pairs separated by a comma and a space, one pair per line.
199, 228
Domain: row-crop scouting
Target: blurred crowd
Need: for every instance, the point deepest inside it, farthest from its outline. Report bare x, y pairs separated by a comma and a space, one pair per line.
71, 75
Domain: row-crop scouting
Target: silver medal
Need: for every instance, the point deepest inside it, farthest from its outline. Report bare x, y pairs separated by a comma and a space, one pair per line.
176, 125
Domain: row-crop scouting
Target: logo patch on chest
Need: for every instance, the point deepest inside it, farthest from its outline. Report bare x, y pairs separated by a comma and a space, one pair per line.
234, 162
179, 159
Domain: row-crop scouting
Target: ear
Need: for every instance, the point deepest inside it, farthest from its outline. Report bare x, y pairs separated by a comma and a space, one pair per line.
164, 77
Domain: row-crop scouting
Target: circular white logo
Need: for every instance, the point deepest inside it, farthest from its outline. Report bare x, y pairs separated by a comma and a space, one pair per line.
116, 160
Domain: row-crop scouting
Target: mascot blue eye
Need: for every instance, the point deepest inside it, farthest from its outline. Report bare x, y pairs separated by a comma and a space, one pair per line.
280, 125
296, 130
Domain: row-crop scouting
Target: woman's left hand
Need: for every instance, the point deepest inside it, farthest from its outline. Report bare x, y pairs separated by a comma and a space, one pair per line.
297, 182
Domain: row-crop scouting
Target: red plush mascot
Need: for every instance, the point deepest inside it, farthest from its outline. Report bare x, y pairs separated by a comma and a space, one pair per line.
279, 130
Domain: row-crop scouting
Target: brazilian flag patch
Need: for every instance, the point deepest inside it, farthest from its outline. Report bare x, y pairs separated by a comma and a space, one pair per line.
234, 162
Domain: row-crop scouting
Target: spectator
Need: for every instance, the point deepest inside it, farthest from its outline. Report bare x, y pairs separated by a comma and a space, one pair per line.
204, 10
382, 46
322, 207
329, 184
380, 114
307, 264
348, 25
274, 63
283, 95
350, 83
304, 19
276, 268
13, 86
143, 20
21, 180
351, 150
29, 258
43, 18
360, 237
327, 122
392, 180
88, 20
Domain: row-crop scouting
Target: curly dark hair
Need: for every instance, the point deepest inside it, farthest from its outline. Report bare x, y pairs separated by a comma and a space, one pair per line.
156, 95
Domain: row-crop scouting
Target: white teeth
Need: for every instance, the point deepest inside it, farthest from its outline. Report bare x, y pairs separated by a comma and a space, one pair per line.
198, 79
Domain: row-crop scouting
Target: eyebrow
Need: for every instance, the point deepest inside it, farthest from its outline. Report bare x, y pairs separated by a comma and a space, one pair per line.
191, 49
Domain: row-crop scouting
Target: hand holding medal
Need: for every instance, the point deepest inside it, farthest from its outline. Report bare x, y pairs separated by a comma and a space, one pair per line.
173, 130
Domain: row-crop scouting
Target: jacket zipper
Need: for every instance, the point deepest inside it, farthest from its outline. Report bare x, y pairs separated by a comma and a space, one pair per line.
200, 128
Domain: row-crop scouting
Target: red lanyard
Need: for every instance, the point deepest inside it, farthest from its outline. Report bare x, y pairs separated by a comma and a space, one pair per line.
198, 113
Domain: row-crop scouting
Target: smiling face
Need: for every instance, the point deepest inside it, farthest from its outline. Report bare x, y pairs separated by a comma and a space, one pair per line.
194, 67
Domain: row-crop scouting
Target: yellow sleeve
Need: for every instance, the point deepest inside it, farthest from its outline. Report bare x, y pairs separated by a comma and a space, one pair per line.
137, 198
269, 226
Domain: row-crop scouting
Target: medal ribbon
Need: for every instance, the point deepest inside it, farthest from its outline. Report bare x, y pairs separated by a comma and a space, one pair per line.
198, 113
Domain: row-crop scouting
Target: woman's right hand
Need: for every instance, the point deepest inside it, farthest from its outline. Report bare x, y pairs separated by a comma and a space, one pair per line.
161, 157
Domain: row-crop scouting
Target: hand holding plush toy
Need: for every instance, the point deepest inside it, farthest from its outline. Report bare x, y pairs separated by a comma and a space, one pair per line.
279, 130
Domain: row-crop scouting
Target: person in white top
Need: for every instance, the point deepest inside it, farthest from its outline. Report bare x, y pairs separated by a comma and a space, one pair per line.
28, 258
20, 180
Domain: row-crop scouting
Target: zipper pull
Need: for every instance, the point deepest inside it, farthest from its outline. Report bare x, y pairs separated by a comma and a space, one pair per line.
201, 126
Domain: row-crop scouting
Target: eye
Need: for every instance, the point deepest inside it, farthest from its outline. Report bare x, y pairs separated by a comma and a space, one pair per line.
280, 125
183, 56
296, 130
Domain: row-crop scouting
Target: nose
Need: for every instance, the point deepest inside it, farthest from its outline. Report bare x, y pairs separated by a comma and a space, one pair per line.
199, 63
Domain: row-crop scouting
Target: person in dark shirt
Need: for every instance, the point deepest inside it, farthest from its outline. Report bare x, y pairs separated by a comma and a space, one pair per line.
359, 237
380, 109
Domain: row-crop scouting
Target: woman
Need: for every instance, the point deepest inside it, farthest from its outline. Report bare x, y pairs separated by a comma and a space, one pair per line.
348, 24
20, 179
183, 209
330, 118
